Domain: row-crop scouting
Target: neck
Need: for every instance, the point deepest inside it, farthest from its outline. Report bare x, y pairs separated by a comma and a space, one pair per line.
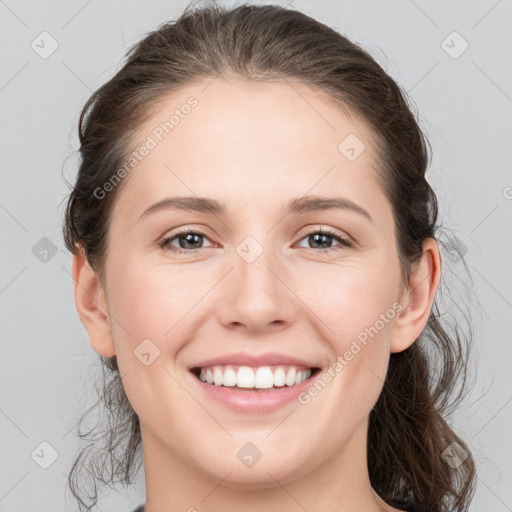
340, 484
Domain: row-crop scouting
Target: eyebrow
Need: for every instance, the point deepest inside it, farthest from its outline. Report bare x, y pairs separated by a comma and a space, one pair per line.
299, 205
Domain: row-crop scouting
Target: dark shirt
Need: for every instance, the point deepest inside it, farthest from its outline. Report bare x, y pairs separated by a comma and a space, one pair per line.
419, 508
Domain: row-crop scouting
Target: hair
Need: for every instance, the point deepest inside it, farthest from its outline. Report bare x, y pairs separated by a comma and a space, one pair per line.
408, 432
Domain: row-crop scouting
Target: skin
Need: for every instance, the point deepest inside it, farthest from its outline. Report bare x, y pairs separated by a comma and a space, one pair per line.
212, 302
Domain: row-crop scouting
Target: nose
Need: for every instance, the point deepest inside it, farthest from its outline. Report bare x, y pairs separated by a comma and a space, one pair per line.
257, 296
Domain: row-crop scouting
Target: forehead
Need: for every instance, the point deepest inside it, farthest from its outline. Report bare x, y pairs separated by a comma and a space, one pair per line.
279, 113
249, 141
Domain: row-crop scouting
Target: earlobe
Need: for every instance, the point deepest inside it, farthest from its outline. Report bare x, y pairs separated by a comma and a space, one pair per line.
91, 305
418, 298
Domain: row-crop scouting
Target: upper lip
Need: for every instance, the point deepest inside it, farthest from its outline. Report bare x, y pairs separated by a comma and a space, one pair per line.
243, 359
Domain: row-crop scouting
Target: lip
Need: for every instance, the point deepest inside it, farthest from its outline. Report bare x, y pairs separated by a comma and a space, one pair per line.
252, 402
245, 359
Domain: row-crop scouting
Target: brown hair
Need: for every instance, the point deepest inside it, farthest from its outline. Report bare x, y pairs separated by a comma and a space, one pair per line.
408, 433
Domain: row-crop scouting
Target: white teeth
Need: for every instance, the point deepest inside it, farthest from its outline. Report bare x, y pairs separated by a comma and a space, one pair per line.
263, 377
229, 377
217, 376
279, 377
290, 377
245, 377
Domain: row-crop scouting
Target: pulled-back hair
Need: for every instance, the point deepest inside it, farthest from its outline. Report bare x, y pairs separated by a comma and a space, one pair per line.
408, 430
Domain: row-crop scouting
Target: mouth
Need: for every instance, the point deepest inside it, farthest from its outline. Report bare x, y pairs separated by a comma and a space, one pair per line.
254, 379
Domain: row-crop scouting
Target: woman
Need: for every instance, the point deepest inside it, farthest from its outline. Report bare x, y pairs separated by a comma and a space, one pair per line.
255, 260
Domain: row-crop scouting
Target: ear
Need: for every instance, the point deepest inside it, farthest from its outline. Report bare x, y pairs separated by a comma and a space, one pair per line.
91, 304
417, 300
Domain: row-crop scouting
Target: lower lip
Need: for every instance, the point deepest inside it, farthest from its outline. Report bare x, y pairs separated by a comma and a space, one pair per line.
255, 402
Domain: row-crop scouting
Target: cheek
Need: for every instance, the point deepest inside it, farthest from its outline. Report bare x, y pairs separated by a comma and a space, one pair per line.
353, 302
151, 302
356, 309
362, 321
150, 328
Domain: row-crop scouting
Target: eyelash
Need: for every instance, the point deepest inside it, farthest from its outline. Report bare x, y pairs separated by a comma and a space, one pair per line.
344, 242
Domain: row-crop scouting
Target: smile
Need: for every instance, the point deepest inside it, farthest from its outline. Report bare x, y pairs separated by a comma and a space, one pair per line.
252, 390
253, 378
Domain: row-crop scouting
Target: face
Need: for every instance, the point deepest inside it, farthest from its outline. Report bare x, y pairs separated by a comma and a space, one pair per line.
254, 284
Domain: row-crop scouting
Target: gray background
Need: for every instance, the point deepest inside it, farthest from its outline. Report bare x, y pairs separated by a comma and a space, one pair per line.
464, 104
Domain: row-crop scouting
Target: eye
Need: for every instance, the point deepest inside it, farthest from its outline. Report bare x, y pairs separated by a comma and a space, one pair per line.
186, 239
322, 237
189, 240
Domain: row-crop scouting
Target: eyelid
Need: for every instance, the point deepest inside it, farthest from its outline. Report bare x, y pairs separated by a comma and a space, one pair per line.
344, 240
196, 228
164, 240
327, 230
